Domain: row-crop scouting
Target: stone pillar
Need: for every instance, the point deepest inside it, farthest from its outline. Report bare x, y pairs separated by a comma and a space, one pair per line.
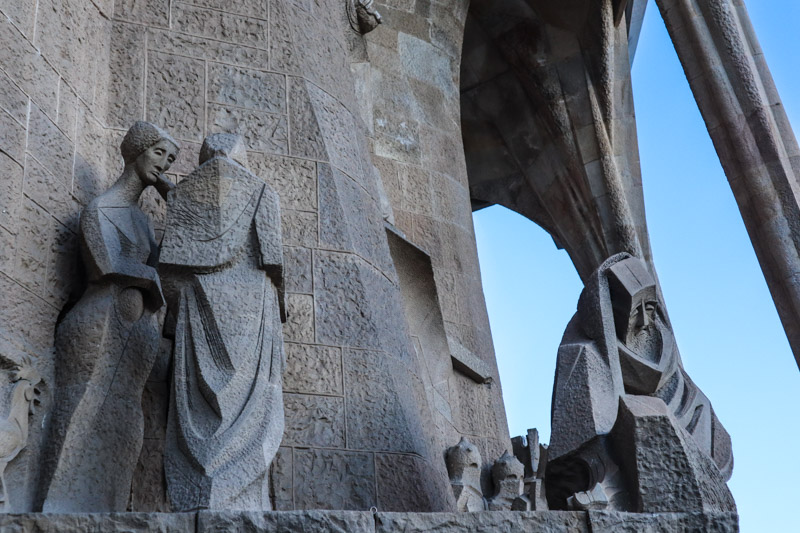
737, 97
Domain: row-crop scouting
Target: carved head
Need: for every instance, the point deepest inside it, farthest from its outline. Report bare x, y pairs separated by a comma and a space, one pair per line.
507, 469
637, 316
227, 145
150, 150
464, 463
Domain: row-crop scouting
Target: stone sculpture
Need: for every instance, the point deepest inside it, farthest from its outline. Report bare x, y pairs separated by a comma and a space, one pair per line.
107, 343
507, 474
464, 469
222, 266
14, 428
363, 16
533, 456
623, 404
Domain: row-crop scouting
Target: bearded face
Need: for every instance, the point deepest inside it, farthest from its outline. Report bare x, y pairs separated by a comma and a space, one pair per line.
642, 336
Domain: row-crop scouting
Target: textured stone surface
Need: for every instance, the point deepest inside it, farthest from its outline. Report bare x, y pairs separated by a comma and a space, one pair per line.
331, 479
314, 421
506, 521
222, 265
99, 522
313, 369
616, 522
307, 521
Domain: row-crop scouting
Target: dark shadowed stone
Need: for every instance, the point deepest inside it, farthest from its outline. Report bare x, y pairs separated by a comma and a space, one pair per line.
617, 522
409, 483
496, 521
293, 521
98, 523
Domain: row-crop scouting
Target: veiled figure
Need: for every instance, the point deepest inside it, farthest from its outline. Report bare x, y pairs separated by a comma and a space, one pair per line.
618, 365
222, 266
107, 343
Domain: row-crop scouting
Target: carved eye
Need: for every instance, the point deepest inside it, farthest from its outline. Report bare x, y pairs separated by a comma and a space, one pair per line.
171, 159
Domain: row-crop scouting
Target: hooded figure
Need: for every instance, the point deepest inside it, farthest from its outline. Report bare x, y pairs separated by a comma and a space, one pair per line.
619, 346
107, 343
222, 269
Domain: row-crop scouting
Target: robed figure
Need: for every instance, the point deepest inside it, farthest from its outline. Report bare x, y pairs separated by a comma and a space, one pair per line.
222, 273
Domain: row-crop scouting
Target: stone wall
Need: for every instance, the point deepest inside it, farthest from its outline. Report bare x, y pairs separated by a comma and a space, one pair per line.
351, 132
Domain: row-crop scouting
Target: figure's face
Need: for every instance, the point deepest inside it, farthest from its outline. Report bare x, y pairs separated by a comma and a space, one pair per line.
642, 335
154, 161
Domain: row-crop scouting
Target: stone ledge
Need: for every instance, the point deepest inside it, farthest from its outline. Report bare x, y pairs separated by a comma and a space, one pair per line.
366, 522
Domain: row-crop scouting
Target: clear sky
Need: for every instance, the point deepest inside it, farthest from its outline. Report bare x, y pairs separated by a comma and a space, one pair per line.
728, 331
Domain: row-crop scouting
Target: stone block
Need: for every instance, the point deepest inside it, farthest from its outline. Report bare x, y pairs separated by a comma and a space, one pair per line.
299, 228
295, 180
306, 137
382, 408
297, 266
49, 145
26, 319
408, 483
242, 87
12, 100
148, 12
53, 193
313, 369
313, 420
63, 274
7, 251
97, 159
175, 94
126, 75
423, 61
299, 326
219, 25
27, 68
338, 129
22, 13
263, 132
12, 137
36, 229
417, 191
252, 8
79, 35
397, 138
618, 522
473, 408
307, 522
67, 118
505, 521
282, 490
332, 479
98, 522
10, 192
356, 305
207, 49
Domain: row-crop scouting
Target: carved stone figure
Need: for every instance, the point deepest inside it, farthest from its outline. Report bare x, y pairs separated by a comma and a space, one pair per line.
222, 266
507, 474
363, 16
464, 469
14, 428
622, 404
107, 343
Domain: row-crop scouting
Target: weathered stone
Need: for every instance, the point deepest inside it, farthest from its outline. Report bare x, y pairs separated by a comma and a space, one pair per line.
281, 472
313, 369
99, 522
12, 137
264, 132
126, 83
12, 100
107, 342
219, 25
307, 522
203, 48
33, 245
295, 180
175, 93
147, 489
313, 420
297, 261
10, 192
251, 89
226, 409
407, 482
618, 522
50, 191
149, 12
522, 522
299, 325
28, 68
330, 479
507, 474
49, 145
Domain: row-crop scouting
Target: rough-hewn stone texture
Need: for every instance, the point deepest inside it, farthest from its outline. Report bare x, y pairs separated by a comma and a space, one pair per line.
307, 521
506, 521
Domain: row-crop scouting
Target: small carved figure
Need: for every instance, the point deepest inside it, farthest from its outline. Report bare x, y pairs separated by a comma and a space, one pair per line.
363, 16
507, 473
618, 366
464, 469
107, 343
222, 266
14, 429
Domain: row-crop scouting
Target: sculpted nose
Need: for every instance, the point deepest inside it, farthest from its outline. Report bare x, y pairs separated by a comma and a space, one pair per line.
642, 319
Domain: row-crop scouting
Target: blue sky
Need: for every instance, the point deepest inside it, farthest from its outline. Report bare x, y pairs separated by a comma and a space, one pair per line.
728, 331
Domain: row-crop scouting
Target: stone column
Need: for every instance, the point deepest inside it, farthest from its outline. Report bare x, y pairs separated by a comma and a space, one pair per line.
737, 97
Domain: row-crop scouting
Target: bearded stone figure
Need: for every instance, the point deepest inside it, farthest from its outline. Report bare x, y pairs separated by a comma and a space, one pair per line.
222, 266
630, 430
107, 342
